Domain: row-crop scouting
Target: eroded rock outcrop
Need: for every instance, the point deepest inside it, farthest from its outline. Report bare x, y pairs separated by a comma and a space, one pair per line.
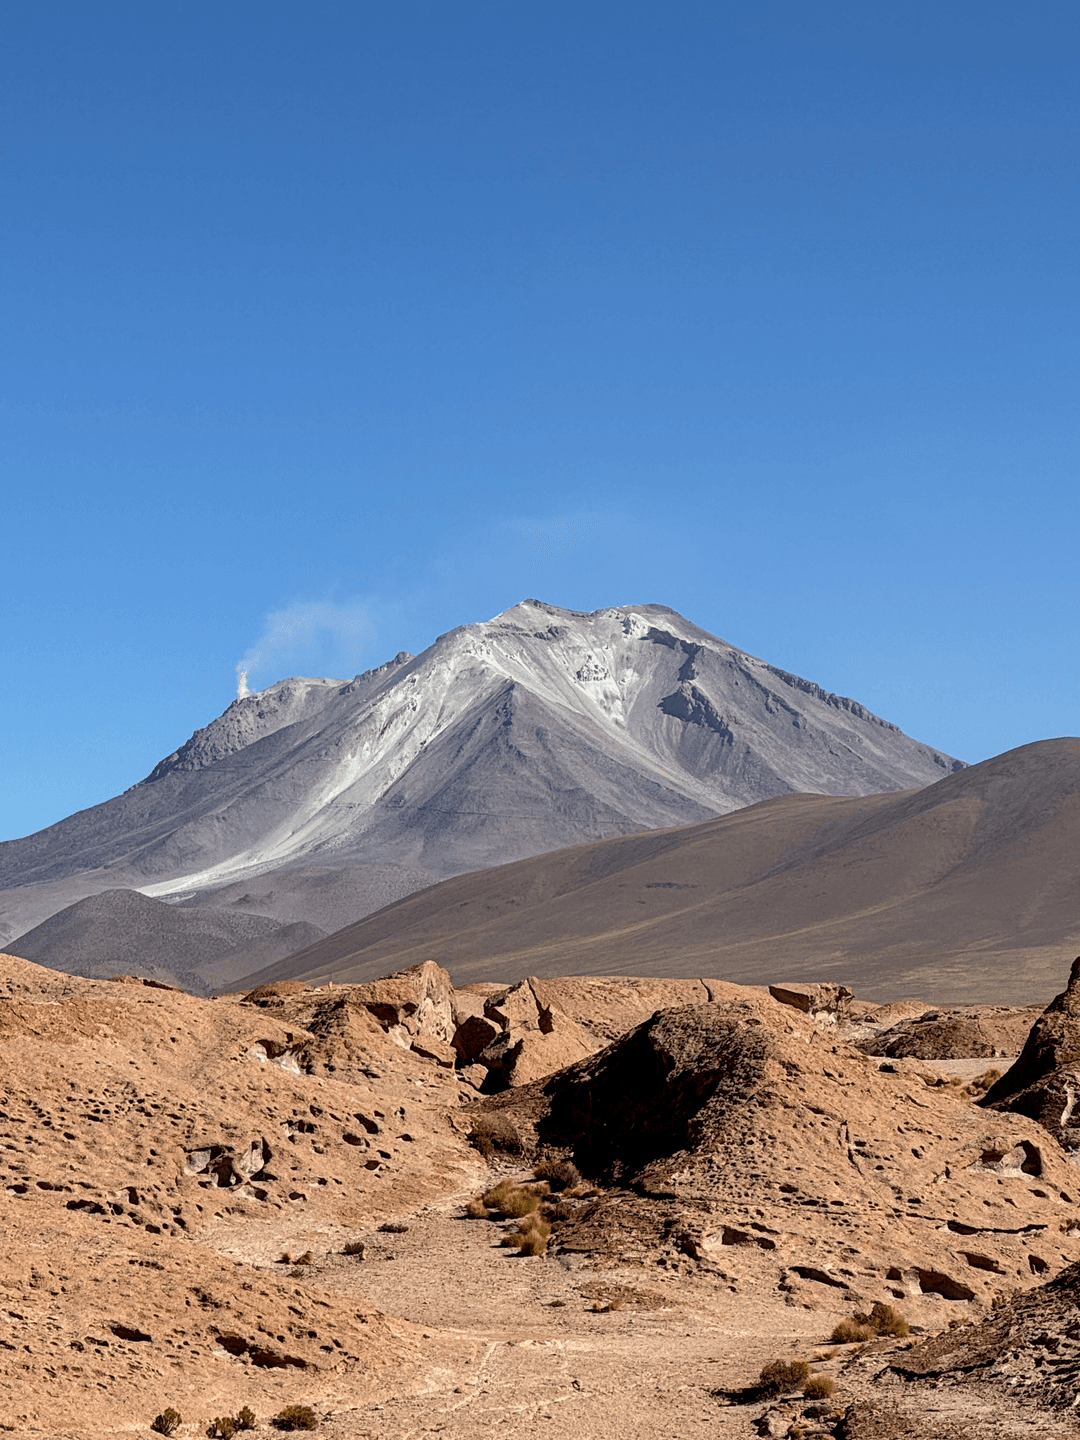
822, 1002
411, 1003
532, 1036
1044, 1083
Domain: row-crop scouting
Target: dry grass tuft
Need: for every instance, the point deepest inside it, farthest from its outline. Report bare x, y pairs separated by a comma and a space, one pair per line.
849, 1332
531, 1237
779, 1376
819, 1387
882, 1320
295, 1417
510, 1200
982, 1083
559, 1174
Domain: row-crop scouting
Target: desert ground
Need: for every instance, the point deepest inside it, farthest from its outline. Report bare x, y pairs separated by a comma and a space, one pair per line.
275, 1199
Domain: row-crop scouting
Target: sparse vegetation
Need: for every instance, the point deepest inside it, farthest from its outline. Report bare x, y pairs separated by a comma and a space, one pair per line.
245, 1418
983, 1082
495, 1133
167, 1422
296, 1417
559, 1174
353, 1247
882, 1320
819, 1387
477, 1210
307, 1258
510, 1200
531, 1236
779, 1376
849, 1332
224, 1426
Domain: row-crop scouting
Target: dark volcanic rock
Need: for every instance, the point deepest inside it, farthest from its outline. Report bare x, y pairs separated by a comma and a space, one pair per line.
968, 1032
1044, 1084
660, 1091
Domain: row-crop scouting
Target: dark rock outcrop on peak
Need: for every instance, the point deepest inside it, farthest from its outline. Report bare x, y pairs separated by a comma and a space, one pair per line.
1044, 1083
538, 729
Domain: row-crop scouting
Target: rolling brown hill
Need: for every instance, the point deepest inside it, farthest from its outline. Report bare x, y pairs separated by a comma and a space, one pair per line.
966, 890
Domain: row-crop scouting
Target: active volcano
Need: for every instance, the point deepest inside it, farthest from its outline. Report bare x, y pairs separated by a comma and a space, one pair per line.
538, 729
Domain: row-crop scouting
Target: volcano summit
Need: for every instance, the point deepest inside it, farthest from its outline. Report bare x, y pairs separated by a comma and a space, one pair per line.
538, 729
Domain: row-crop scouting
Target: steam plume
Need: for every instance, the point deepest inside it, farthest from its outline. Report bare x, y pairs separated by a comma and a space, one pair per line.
317, 635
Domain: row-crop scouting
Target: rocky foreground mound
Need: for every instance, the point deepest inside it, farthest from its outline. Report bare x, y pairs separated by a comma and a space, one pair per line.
743, 1134
261, 1200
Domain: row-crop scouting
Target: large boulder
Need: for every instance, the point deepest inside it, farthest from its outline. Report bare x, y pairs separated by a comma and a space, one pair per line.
1044, 1083
824, 1002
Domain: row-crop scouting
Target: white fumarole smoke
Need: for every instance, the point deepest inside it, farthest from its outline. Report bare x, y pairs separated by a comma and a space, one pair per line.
241, 681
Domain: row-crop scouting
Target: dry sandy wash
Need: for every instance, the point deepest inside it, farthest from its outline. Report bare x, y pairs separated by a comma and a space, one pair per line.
752, 1175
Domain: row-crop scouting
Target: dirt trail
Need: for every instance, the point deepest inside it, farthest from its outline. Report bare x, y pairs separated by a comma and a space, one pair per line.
526, 1353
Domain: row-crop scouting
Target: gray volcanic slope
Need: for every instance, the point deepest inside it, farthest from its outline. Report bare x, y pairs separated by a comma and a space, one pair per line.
122, 932
966, 890
541, 728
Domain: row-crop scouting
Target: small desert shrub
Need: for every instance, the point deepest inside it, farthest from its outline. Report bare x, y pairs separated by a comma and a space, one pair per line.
307, 1258
819, 1387
353, 1247
849, 1332
495, 1132
779, 1376
245, 1419
882, 1320
166, 1422
982, 1082
224, 1425
531, 1236
560, 1174
296, 1417
512, 1201
887, 1321
476, 1209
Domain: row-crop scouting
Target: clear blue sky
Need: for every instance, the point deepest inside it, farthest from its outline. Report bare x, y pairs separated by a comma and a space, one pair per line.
330, 326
